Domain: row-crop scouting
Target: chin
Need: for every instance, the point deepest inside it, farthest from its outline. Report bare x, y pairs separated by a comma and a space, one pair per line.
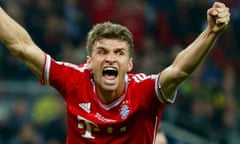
110, 87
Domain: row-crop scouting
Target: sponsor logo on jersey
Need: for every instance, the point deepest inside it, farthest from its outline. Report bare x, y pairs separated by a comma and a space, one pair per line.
102, 118
86, 107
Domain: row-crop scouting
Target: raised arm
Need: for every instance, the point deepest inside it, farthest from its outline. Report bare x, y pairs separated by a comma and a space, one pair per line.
20, 44
187, 60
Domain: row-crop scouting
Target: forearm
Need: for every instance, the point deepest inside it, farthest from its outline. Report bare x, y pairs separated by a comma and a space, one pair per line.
187, 60
20, 44
13, 35
218, 17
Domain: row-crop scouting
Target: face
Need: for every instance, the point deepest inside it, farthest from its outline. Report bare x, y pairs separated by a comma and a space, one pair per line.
109, 63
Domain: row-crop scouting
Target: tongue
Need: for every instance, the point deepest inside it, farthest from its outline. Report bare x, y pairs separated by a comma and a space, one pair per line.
109, 77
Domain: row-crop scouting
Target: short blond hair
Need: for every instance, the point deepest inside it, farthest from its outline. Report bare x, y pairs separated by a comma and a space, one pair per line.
109, 30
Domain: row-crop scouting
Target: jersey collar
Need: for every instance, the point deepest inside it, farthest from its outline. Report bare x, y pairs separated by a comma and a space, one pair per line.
115, 102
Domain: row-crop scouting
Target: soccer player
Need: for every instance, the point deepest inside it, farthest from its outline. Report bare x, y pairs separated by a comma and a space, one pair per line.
105, 102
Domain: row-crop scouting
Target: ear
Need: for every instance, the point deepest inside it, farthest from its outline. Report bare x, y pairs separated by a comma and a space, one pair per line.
130, 64
88, 61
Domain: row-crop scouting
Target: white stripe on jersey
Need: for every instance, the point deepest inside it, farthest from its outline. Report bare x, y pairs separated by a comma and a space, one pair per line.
48, 65
155, 130
76, 67
47, 69
159, 91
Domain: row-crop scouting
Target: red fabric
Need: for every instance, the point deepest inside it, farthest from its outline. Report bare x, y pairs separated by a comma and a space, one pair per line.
135, 21
164, 30
101, 10
131, 118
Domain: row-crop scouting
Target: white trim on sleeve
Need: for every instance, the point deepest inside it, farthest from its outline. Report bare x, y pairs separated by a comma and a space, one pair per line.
47, 69
160, 94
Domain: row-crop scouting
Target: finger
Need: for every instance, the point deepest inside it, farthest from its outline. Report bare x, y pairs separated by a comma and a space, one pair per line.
218, 5
212, 12
216, 8
223, 17
223, 14
222, 21
222, 9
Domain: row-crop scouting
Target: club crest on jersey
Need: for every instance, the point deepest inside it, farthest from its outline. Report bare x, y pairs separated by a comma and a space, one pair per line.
124, 111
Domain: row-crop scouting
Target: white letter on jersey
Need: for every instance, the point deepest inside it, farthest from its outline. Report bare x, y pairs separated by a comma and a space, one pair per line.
140, 77
87, 124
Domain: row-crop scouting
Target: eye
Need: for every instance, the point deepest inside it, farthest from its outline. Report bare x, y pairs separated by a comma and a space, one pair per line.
120, 53
102, 52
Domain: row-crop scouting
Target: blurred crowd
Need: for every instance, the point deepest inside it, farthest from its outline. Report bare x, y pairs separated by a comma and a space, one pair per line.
207, 103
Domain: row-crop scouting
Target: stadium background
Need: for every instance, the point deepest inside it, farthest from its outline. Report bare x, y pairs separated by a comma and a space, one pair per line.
207, 105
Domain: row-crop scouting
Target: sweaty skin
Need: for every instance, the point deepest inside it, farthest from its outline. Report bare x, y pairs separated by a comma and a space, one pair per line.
110, 54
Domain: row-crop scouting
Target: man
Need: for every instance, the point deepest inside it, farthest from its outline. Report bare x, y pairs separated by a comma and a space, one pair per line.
106, 103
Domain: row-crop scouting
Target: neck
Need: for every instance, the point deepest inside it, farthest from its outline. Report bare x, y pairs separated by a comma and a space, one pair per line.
106, 96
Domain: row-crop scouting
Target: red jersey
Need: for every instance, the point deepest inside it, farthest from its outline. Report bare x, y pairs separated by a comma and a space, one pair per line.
132, 118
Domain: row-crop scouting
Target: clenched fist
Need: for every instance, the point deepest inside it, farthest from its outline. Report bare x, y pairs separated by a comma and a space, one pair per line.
218, 17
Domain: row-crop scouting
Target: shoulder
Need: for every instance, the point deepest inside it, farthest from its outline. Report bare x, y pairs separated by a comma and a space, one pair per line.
143, 82
142, 77
75, 67
64, 71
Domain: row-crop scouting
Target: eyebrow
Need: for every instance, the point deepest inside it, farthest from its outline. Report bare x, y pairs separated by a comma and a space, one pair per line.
120, 48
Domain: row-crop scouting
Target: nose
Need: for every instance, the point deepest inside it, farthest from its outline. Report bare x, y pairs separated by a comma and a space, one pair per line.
111, 58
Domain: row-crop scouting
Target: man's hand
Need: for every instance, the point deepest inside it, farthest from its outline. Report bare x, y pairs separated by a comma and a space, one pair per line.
218, 17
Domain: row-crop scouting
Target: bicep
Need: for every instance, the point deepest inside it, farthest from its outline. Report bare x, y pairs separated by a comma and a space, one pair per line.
170, 79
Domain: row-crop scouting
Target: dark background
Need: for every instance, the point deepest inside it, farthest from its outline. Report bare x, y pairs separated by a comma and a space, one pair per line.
208, 102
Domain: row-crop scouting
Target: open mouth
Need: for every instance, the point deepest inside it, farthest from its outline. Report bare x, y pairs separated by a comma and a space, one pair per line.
110, 72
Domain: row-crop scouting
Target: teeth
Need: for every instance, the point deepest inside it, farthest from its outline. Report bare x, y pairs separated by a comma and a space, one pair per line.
109, 68
110, 71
